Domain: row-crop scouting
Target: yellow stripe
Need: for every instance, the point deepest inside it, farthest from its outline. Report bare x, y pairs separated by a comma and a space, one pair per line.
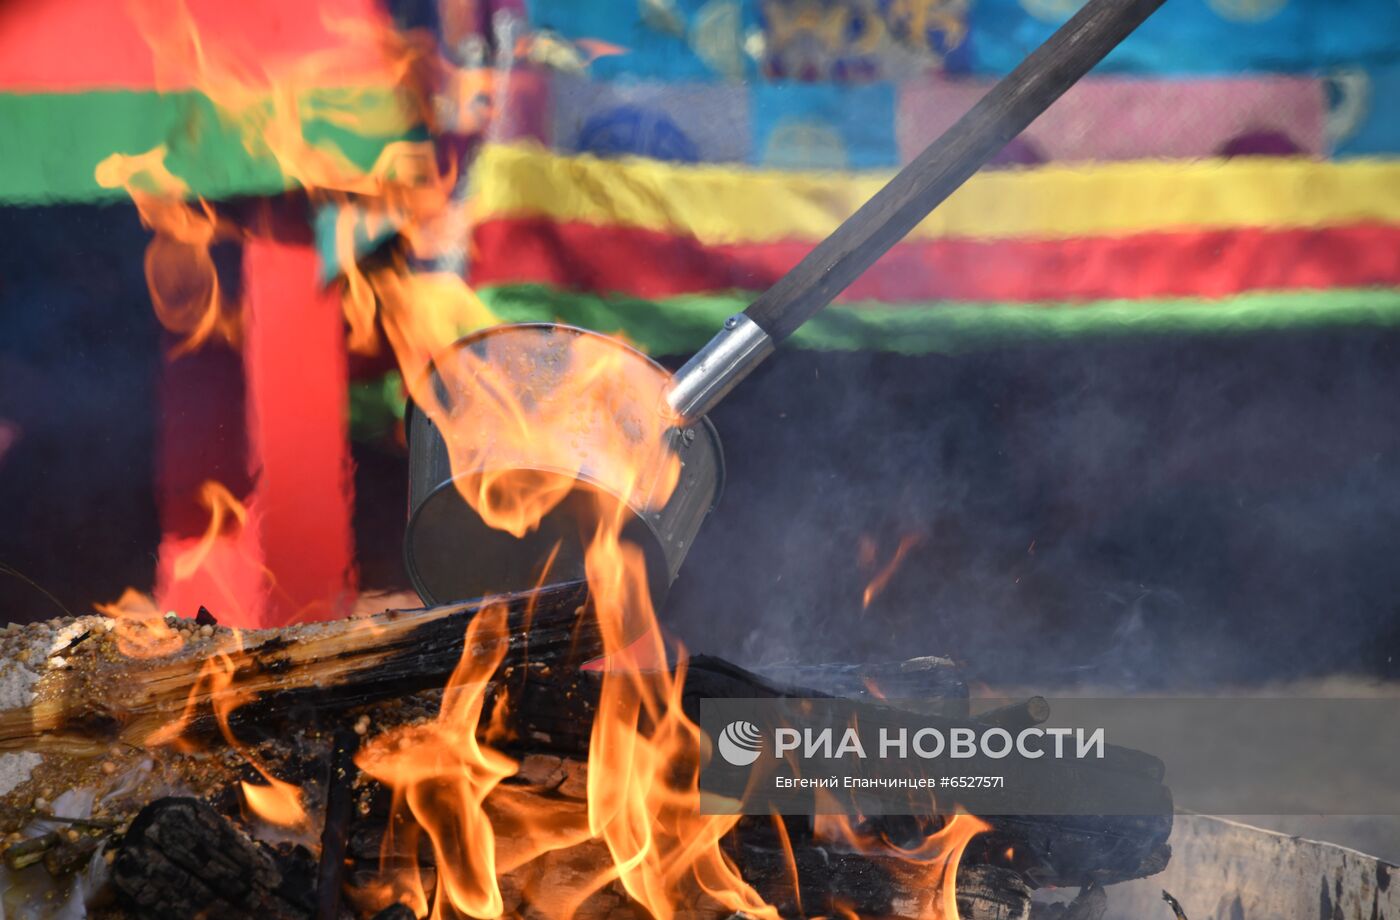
723, 204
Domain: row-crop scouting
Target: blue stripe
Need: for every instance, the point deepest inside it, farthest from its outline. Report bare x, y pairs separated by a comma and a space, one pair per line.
1205, 36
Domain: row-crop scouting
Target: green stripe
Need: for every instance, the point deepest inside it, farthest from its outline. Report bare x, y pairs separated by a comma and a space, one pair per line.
682, 324
51, 143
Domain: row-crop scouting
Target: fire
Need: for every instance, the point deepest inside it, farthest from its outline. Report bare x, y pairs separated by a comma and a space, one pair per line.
936, 856
643, 784
222, 568
180, 273
531, 428
274, 801
781, 827
441, 775
139, 625
881, 579
140, 629
223, 507
643, 766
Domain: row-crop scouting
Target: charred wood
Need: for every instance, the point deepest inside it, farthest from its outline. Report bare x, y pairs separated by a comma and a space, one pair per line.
182, 859
340, 804
386, 660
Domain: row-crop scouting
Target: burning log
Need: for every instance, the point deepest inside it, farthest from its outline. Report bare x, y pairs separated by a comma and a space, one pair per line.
553, 709
182, 859
803, 876
299, 689
337, 665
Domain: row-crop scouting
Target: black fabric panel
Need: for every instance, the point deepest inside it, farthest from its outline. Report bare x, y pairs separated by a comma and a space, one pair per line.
79, 358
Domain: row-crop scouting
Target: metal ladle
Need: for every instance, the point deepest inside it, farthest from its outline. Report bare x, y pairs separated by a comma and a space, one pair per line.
452, 554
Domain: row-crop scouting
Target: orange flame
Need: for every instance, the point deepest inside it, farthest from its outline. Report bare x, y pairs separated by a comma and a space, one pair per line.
790, 861
139, 628
441, 774
141, 631
526, 439
180, 273
937, 855
277, 802
881, 579
378, 71
223, 507
643, 784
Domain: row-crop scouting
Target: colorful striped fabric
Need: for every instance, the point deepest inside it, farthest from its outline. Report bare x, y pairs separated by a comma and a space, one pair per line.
1231, 148
80, 81
1226, 169
1055, 236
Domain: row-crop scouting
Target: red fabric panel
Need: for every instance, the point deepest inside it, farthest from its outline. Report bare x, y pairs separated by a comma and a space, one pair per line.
70, 45
1199, 263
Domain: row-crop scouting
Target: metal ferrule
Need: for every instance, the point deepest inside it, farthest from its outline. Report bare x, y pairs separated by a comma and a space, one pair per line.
717, 368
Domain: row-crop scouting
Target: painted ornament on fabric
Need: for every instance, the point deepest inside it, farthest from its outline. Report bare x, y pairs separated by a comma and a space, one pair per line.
856, 41
800, 144
716, 37
1247, 10
632, 130
1052, 10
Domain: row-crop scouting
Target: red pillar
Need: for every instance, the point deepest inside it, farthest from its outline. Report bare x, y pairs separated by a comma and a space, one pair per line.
297, 403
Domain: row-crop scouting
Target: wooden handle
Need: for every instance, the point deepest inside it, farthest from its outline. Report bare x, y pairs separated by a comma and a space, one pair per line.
948, 162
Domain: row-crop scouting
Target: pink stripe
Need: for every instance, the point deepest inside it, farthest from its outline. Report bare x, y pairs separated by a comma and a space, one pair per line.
1114, 118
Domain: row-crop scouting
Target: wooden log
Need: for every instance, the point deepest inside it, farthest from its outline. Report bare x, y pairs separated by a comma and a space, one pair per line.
327, 667
87, 707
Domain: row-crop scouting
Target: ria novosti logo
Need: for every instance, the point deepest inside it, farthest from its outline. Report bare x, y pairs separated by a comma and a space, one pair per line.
740, 743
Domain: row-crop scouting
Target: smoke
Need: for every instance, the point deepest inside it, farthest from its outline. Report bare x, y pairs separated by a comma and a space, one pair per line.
1167, 511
